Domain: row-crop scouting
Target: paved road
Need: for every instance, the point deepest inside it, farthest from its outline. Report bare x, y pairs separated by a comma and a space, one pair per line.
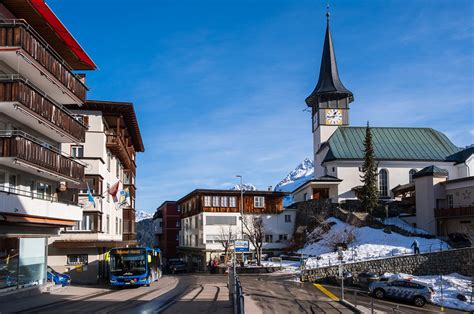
171, 294
282, 294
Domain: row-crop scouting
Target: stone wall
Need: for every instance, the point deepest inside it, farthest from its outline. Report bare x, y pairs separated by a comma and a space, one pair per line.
446, 262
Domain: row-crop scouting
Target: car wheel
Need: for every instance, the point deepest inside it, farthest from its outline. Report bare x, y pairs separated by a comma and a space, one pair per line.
379, 293
419, 301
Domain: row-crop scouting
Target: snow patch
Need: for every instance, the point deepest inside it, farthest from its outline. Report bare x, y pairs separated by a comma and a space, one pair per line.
245, 187
142, 215
369, 243
302, 173
396, 221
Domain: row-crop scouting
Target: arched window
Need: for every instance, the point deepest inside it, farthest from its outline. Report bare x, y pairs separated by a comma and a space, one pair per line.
410, 175
383, 182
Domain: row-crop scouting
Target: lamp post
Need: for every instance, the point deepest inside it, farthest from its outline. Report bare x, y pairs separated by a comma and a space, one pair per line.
241, 212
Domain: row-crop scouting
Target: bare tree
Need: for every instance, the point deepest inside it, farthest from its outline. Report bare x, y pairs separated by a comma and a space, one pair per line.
254, 230
226, 238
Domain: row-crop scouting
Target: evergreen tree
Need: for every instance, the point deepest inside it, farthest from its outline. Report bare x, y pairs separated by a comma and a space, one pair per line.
369, 195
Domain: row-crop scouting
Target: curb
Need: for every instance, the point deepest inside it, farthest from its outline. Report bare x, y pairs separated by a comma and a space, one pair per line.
350, 306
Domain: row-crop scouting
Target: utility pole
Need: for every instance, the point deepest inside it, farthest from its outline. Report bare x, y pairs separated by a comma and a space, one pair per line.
241, 211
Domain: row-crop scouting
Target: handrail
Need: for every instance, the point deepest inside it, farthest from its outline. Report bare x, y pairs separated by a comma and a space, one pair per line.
35, 195
18, 77
12, 133
23, 23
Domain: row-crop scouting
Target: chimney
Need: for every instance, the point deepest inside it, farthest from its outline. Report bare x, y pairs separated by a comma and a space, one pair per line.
270, 188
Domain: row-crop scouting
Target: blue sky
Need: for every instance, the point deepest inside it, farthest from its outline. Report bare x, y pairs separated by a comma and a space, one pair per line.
219, 86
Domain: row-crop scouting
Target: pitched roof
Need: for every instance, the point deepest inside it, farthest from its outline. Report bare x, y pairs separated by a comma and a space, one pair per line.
461, 156
390, 143
431, 171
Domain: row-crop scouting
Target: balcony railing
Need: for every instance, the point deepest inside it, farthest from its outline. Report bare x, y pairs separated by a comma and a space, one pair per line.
20, 145
17, 33
117, 146
16, 89
38, 195
454, 212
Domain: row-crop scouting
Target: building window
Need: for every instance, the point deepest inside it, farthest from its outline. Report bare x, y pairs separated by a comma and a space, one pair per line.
116, 225
77, 151
450, 200
107, 226
224, 201
120, 226
178, 224
269, 238
232, 201
75, 259
90, 184
305, 196
215, 201
207, 201
87, 222
259, 202
221, 220
109, 160
43, 190
383, 182
410, 175
287, 218
117, 169
283, 237
108, 193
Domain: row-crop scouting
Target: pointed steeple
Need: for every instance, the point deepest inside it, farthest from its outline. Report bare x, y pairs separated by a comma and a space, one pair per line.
329, 87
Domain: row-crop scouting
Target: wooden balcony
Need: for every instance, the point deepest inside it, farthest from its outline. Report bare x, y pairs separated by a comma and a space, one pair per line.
24, 148
17, 33
116, 144
16, 89
455, 212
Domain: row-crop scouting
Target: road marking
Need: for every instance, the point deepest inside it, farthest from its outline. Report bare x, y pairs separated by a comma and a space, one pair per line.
326, 292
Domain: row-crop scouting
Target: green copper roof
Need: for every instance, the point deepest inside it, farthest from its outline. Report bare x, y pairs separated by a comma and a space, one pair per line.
431, 171
461, 156
424, 144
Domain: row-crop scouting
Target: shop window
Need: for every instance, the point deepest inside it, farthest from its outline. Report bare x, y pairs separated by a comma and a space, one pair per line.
76, 259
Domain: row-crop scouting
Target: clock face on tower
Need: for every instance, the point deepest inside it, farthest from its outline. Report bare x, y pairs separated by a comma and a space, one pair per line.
333, 116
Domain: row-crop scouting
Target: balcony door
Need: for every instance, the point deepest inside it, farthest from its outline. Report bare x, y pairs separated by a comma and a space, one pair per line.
12, 181
320, 194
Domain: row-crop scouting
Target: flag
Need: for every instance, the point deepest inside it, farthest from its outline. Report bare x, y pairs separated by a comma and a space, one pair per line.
124, 198
89, 195
113, 190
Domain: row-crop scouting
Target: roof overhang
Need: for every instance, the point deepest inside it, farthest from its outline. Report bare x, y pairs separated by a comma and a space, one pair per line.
43, 20
319, 182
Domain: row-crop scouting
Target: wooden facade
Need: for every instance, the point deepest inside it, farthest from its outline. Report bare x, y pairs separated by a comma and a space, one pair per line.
20, 91
20, 147
18, 33
456, 212
194, 203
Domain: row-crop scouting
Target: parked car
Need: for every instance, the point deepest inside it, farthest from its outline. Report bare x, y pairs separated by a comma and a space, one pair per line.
176, 267
406, 290
57, 278
459, 240
364, 279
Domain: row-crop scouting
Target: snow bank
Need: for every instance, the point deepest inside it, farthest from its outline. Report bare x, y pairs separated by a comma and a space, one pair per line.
287, 266
369, 243
451, 285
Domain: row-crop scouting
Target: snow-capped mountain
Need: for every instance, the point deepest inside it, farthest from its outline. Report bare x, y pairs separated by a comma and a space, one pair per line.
141, 215
302, 173
245, 187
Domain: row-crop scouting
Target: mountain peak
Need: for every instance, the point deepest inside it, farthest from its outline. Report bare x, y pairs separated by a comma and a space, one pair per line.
302, 173
142, 215
245, 187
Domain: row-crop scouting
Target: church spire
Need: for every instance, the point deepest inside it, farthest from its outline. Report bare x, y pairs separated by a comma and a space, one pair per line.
329, 87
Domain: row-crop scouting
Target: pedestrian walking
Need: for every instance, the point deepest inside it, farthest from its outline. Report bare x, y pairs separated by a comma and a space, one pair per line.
416, 247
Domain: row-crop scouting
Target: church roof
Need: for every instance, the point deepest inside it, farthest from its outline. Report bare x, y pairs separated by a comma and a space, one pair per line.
390, 143
329, 83
461, 156
432, 171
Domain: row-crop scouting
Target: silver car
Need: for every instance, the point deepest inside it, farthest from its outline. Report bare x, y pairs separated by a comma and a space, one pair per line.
406, 290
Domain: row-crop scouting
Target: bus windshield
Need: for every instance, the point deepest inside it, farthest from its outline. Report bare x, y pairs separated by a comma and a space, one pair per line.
128, 262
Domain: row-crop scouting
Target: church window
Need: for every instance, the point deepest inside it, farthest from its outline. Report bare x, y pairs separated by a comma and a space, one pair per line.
383, 182
410, 175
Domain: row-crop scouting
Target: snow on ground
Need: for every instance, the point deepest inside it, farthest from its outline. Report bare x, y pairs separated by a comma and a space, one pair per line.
369, 243
287, 266
452, 285
396, 221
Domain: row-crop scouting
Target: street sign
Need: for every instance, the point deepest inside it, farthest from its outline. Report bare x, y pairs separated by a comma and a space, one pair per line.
241, 246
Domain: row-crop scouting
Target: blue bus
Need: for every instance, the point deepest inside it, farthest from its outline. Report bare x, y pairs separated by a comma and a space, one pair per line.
134, 266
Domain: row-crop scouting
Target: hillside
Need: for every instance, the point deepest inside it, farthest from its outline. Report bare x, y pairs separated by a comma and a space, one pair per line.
144, 229
298, 176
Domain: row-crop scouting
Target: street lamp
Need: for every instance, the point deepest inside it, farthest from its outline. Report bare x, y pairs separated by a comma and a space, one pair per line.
241, 207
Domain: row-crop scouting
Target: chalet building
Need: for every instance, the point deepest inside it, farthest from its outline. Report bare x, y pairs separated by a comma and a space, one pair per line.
206, 214
400, 152
38, 181
166, 226
109, 155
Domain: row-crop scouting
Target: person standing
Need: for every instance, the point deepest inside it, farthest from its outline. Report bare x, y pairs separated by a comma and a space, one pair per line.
416, 247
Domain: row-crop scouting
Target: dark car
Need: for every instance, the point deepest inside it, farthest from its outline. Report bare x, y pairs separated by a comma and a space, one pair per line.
405, 290
176, 267
57, 278
459, 240
364, 279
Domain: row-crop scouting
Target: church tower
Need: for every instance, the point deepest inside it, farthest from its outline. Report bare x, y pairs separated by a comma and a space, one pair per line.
330, 100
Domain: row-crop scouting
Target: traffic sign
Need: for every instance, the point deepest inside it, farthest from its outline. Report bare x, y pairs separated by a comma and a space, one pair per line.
241, 246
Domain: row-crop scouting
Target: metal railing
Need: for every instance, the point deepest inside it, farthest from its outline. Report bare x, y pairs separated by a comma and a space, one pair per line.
44, 196
235, 290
